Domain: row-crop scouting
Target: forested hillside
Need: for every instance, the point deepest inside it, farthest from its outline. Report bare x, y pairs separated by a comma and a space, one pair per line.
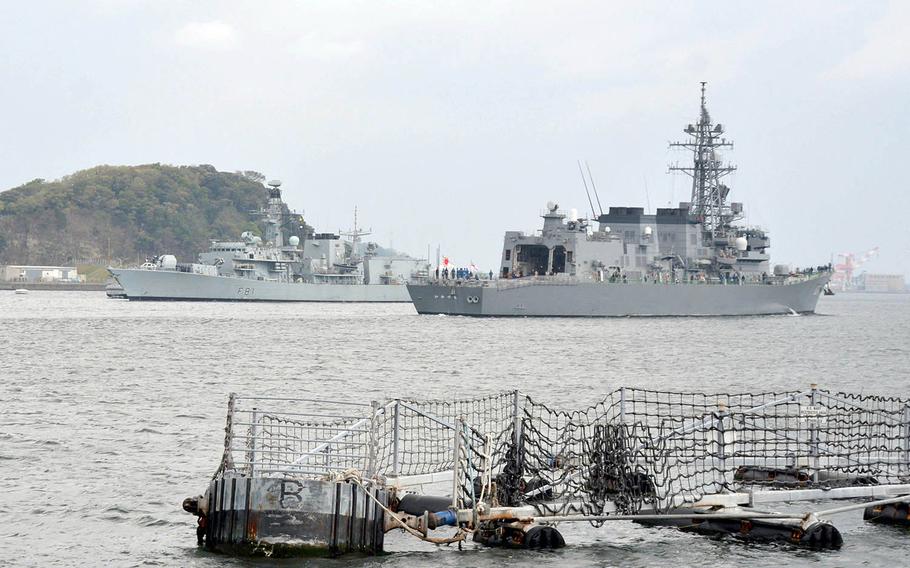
125, 213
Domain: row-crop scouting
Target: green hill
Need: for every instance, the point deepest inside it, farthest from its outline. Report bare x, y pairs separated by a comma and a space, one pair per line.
126, 213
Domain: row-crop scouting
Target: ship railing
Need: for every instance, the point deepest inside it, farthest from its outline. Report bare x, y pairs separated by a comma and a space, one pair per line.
559, 280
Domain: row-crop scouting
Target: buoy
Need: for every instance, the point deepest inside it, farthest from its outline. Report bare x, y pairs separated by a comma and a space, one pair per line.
503, 534
890, 514
818, 534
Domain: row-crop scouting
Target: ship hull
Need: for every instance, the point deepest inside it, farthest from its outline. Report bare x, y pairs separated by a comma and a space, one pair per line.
140, 284
551, 299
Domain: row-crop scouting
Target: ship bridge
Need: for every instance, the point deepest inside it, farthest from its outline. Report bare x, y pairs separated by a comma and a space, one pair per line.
551, 252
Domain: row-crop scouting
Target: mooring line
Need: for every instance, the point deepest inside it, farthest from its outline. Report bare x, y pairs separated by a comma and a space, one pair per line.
355, 477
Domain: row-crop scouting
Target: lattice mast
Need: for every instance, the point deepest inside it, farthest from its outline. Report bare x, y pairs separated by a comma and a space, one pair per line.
355, 235
709, 196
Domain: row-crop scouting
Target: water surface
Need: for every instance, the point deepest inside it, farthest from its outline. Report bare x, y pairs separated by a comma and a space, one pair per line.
113, 411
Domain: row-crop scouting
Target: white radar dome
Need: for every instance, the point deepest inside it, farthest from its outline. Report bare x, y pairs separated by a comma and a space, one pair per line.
573, 215
648, 231
741, 244
168, 262
294, 241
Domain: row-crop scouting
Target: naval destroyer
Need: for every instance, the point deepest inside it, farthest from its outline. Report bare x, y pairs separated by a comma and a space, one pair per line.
312, 267
696, 259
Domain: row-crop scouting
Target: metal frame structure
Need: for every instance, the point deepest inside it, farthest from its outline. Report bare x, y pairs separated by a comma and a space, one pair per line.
406, 443
506, 467
708, 193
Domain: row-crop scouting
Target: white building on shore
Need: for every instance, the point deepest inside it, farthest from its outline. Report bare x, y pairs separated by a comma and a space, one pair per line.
893, 283
34, 274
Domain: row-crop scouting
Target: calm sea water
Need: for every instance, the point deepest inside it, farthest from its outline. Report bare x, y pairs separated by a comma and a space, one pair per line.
113, 411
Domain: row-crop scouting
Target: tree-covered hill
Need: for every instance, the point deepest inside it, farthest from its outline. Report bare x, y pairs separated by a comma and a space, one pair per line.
126, 213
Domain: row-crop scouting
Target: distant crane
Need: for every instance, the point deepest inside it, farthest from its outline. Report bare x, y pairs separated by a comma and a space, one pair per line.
847, 264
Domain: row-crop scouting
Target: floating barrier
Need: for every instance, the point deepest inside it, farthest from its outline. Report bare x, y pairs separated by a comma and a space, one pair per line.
889, 513
322, 477
755, 528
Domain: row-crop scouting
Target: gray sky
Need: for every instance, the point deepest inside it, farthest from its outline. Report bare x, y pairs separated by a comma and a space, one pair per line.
449, 123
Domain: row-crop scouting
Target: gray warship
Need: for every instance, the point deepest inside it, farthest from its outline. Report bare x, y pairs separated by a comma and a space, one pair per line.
690, 260
312, 267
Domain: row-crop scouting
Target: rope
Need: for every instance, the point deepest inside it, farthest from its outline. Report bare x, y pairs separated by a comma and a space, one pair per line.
354, 476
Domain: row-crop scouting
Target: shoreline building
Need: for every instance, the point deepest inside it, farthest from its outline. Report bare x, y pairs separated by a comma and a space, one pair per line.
881, 283
36, 274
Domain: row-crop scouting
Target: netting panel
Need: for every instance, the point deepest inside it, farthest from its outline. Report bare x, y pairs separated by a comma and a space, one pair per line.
634, 448
663, 449
417, 437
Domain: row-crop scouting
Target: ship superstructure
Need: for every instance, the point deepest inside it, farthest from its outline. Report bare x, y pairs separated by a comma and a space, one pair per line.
698, 239
711, 264
310, 266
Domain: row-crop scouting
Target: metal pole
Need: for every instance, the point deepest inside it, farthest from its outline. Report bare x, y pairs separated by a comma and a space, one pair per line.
720, 415
456, 461
371, 457
516, 419
395, 422
429, 417
622, 405
813, 431
517, 443
254, 421
855, 506
694, 517
907, 438
227, 459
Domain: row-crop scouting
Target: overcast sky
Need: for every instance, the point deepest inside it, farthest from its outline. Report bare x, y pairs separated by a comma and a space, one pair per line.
448, 123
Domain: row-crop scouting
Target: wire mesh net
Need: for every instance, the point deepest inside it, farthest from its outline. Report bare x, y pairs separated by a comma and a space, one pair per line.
418, 437
636, 448
304, 437
663, 449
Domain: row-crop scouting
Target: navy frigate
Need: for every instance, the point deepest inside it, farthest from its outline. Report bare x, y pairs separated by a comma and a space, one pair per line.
696, 259
311, 267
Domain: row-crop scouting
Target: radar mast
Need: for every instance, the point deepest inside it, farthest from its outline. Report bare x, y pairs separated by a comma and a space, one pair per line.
355, 235
709, 196
274, 214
